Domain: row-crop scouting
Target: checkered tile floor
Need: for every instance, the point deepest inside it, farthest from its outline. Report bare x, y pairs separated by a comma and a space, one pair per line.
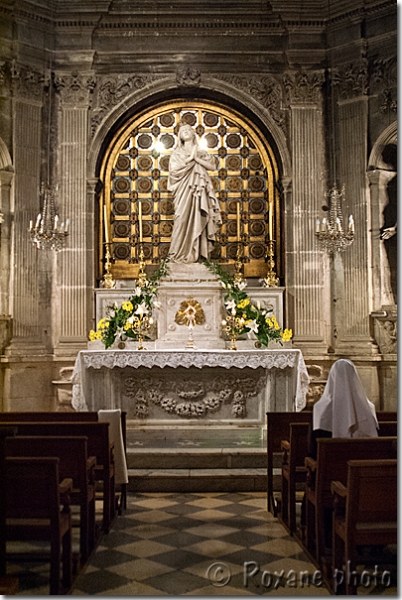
191, 544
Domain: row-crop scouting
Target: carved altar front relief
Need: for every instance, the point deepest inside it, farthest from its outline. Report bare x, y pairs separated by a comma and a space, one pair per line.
191, 388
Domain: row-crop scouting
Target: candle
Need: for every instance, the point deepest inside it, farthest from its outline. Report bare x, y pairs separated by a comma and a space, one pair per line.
67, 224
351, 224
37, 221
105, 223
338, 224
56, 220
271, 221
30, 225
140, 219
324, 224
238, 220
317, 226
62, 227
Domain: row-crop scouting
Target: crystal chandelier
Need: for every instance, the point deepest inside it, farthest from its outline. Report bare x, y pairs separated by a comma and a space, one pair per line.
330, 231
47, 234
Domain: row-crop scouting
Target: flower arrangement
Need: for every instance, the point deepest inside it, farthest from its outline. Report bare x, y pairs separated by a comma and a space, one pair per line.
242, 315
133, 318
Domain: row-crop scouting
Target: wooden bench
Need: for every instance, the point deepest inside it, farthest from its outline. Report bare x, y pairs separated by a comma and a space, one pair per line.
31, 416
75, 464
278, 428
388, 428
98, 446
369, 518
33, 500
293, 471
331, 465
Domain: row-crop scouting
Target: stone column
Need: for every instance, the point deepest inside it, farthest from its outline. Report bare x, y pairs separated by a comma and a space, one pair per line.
352, 316
6, 178
75, 265
27, 88
307, 272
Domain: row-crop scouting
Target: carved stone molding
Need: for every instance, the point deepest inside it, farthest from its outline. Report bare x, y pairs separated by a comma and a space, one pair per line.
188, 77
26, 83
74, 88
386, 329
266, 90
110, 91
352, 81
303, 87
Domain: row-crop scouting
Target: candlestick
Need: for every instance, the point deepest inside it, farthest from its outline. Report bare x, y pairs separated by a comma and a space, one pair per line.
37, 221
351, 224
270, 221
106, 225
238, 220
30, 225
67, 224
317, 226
56, 221
324, 225
140, 219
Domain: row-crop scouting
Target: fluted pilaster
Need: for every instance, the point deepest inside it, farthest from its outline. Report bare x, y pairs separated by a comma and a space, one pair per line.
75, 266
307, 273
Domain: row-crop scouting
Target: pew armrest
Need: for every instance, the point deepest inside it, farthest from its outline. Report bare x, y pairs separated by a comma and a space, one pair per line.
66, 485
338, 488
310, 463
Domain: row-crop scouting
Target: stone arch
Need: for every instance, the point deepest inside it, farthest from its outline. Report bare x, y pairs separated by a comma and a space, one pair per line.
382, 178
5, 158
168, 87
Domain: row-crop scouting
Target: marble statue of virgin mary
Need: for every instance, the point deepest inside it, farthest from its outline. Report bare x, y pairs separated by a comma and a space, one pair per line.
196, 208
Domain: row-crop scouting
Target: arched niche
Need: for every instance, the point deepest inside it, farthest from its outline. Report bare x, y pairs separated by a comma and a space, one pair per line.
130, 171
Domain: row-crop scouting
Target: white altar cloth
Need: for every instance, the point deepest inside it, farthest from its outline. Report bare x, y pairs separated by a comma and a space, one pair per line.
91, 395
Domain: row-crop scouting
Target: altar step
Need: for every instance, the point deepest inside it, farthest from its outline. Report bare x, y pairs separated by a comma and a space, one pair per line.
196, 470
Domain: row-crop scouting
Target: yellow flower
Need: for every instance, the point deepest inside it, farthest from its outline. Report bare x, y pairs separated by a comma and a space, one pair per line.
273, 319
243, 303
127, 326
276, 325
244, 316
98, 335
92, 335
103, 323
127, 306
286, 335
268, 322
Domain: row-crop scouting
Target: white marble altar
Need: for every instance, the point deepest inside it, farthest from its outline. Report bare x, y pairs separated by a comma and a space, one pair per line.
179, 388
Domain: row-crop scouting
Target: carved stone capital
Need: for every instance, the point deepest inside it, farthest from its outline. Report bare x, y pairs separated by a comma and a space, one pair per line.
266, 90
352, 80
303, 87
74, 88
386, 330
26, 83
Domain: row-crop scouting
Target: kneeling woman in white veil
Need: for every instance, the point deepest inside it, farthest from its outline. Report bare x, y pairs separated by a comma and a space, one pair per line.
196, 208
343, 409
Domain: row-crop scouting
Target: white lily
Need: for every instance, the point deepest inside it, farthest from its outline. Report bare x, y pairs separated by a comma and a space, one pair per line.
241, 285
137, 291
142, 309
253, 326
230, 304
157, 304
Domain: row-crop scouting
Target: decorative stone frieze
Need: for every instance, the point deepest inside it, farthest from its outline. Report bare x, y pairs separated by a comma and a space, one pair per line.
266, 90
303, 87
188, 77
384, 82
75, 88
110, 91
352, 80
26, 82
193, 396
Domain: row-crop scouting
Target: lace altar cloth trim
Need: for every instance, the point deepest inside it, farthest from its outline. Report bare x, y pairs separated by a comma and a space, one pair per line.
240, 359
268, 359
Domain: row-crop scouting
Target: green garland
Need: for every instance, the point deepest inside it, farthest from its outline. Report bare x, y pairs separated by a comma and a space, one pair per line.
251, 316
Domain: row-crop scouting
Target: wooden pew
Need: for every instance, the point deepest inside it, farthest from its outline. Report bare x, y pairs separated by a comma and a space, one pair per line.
30, 416
33, 499
98, 446
8, 585
331, 465
74, 463
388, 428
293, 471
371, 498
278, 428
